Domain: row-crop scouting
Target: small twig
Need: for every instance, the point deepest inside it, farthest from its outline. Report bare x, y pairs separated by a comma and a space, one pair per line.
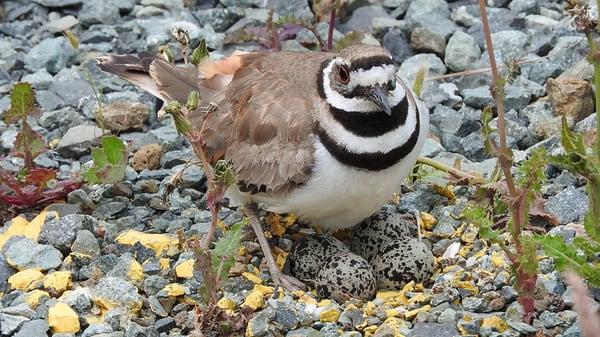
450, 170
332, 26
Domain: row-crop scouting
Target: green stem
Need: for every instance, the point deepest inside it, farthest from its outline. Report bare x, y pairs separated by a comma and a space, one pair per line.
596, 64
450, 170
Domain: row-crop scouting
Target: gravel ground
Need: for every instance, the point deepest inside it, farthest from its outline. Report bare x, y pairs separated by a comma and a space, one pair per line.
107, 263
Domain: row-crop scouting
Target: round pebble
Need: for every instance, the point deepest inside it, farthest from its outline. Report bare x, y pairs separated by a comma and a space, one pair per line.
402, 261
346, 276
307, 254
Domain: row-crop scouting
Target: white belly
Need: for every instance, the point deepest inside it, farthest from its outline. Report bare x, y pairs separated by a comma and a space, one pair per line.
338, 196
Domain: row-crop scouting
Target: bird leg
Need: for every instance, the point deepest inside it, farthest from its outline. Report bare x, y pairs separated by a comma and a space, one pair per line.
288, 282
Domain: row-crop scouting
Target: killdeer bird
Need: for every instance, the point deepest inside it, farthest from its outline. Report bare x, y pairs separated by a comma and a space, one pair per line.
326, 136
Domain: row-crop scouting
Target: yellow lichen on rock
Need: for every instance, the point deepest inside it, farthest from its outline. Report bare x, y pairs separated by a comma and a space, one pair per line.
58, 282
34, 297
330, 315
136, 271
409, 315
254, 300
26, 280
30, 229
174, 290
428, 220
226, 303
159, 243
495, 323
498, 259
185, 269
63, 319
252, 278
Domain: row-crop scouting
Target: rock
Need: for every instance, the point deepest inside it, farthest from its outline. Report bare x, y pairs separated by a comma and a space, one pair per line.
396, 45
79, 299
96, 329
99, 12
148, 157
219, 18
431, 14
39, 80
569, 205
571, 97
411, 66
62, 24
124, 115
362, 19
61, 233
164, 324
70, 86
24, 253
508, 45
109, 209
63, 319
78, 140
58, 3
425, 41
61, 119
34, 328
259, 325
461, 51
295, 8
434, 329
53, 54
114, 292
10, 323
344, 276
402, 261
523, 6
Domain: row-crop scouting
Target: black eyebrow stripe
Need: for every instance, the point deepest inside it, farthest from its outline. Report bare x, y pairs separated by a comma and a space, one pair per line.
370, 62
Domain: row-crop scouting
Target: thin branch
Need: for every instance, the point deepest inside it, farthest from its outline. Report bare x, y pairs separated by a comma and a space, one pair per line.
332, 27
450, 170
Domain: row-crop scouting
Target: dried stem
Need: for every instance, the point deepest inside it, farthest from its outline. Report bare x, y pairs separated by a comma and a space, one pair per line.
462, 175
332, 27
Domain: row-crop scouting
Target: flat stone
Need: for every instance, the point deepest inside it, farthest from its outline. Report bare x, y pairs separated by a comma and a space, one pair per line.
23, 253
78, 140
53, 54
62, 24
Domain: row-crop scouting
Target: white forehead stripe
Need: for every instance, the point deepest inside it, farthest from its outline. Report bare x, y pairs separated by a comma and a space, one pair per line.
375, 75
357, 104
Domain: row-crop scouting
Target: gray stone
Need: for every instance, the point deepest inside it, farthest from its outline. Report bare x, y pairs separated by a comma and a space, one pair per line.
109, 209
219, 18
70, 86
96, 328
167, 137
295, 8
48, 101
434, 329
6, 271
24, 253
35, 328
118, 292
508, 45
573, 331
461, 51
362, 19
61, 233
79, 299
86, 243
424, 40
99, 12
53, 54
550, 319
304, 332
448, 316
135, 330
568, 51
523, 6
259, 324
568, 205
58, 3
164, 324
399, 48
61, 119
78, 140
62, 24
411, 66
41, 79
521, 327
10, 323
432, 14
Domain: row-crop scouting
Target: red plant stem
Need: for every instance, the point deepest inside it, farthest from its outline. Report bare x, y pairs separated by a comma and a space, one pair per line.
498, 93
331, 28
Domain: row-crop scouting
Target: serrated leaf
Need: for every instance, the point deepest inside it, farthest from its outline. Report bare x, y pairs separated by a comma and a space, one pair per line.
528, 258
28, 141
568, 256
40, 176
109, 162
22, 103
226, 248
223, 174
115, 150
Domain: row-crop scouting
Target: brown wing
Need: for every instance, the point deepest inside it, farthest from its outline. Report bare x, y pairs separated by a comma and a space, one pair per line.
265, 121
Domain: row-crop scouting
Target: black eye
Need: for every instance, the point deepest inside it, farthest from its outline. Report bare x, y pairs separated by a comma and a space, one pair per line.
343, 74
391, 85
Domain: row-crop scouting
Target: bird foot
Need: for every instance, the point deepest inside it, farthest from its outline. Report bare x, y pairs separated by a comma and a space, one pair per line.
287, 282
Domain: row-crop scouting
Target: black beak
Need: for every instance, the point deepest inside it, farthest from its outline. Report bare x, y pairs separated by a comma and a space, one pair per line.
379, 96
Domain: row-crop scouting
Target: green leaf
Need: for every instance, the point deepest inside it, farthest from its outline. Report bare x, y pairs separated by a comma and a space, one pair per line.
226, 248
109, 162
419, 80
200, 53
528, 259
28, 141
22, 103
223, 174
481, 217
532, 170
568, 256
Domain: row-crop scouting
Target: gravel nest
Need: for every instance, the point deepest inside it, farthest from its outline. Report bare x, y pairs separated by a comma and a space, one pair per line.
107, 263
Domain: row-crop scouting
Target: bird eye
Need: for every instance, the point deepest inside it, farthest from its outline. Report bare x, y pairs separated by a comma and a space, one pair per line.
344, 75
391, 85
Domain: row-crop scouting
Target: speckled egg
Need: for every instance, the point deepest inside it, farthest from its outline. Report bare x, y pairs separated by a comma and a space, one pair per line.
346, 276
402, 261
307, 255
386, 225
